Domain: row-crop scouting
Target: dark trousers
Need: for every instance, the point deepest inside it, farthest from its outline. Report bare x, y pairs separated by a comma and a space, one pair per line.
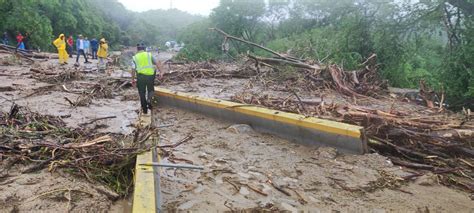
80, 52
146, 83
69, 51
94, 53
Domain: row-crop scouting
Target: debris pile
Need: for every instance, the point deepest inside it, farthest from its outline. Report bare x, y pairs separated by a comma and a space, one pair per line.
44, 142
437, 142
360, 83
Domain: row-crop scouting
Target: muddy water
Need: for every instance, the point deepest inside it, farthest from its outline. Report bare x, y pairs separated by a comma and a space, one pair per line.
238, 159
122, 206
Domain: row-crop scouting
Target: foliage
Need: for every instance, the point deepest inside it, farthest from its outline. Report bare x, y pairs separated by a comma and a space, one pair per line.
44, 20
201, 43
430, 40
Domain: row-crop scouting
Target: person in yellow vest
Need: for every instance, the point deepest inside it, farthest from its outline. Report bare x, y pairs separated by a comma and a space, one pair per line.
102, 54
143, 76
60, 44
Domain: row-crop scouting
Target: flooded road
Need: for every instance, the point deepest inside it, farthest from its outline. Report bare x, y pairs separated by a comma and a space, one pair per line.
244, 169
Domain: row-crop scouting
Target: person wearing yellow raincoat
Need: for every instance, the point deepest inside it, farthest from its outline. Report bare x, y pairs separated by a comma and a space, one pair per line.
60, 44
102, 54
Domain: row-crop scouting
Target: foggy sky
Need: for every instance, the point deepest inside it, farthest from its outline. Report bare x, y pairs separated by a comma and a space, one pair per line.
202, 7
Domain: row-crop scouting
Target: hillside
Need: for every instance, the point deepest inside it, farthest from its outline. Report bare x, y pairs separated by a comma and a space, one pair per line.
45, 20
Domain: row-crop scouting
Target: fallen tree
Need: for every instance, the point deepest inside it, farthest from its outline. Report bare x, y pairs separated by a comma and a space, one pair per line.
360, 83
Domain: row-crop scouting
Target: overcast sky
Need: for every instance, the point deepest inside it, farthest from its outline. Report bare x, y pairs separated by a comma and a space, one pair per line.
202, 7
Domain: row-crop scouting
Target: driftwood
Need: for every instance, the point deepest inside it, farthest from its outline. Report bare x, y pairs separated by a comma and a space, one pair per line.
340, 84
26, 54
279, 59
49, 144
97, 119
283, 61
355, 83
227, 36
426, 94
436, 143
42, 72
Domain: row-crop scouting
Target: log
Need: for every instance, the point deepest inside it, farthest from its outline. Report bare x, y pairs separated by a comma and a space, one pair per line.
412, 165
14, 48
6, 89
283, 61
280, 58
455, 134
42, 72
247, 42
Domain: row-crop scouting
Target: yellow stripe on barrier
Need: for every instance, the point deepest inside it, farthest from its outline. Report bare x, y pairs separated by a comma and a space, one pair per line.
284, 117
144, 192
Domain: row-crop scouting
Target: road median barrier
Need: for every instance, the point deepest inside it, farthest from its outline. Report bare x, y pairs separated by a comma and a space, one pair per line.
294, 127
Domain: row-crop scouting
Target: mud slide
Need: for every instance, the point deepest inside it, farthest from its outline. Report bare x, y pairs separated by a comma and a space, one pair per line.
244, 169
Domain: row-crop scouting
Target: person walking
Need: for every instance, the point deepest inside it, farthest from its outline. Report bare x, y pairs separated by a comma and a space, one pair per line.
80, 50
19, 39
87, 45
94, 47
70, 43
143, 76
5, 38
60, 44
102, 54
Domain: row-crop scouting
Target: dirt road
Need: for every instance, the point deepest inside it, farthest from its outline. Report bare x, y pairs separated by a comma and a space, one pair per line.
239, 161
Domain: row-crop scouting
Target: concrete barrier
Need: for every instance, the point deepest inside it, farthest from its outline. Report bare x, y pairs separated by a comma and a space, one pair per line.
294, 127
146, 193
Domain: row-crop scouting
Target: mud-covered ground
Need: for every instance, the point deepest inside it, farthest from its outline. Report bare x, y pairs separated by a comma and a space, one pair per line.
58, 191
315, 178
238, 161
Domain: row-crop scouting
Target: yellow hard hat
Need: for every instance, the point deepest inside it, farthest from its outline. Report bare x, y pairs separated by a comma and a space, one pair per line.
102, 39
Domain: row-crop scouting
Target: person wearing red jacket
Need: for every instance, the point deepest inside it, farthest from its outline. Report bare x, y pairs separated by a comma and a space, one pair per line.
19, 40
70, 42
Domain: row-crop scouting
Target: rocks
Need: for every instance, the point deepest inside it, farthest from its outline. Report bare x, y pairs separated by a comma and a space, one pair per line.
240, 129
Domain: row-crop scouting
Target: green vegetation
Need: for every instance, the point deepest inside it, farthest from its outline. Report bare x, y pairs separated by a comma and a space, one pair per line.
430, 39
44, 20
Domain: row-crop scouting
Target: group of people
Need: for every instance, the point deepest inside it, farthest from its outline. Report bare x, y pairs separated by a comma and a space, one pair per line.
20, 39
145, 65
84, 47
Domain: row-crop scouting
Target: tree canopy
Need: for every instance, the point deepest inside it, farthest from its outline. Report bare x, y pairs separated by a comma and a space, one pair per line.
44, 20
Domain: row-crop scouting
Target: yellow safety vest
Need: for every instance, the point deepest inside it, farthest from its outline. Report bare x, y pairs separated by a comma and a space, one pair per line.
144, 63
